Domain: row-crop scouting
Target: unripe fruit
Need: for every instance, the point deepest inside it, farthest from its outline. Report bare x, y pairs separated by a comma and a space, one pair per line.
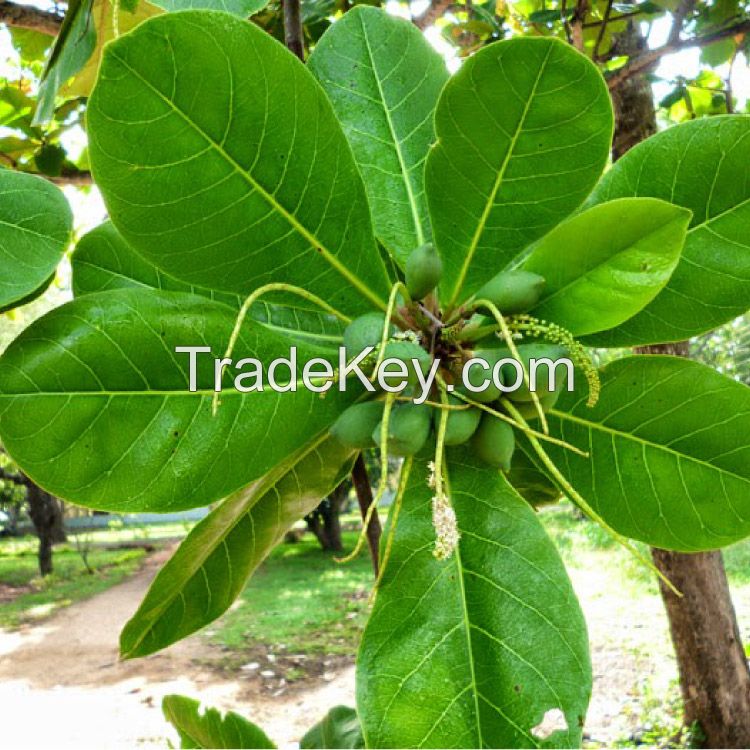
354, 426
513, 291
494, 442
407, 351
423, 271
527, 409
527, 352
364, 331
461, 424
408, 429
477, 375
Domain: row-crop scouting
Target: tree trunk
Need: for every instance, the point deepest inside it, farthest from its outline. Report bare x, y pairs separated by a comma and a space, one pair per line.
325, 522
46, 515
714, 675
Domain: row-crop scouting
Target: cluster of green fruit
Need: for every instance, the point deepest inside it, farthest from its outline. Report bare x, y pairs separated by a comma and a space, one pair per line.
472, 417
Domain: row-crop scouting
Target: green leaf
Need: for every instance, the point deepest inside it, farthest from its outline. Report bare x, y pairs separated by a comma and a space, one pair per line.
339, 729
211, 566
95, 404
209, 728
247, 178
472, 651
242, 8
669, 453
607, 263
719, 52
384, 78
524, 130
35, 226
73, 47
701, 165
529, 480
103, 261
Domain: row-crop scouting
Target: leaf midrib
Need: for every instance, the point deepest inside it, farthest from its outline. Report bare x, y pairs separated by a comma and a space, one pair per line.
648, 443
490, 204
396, 142
323, 251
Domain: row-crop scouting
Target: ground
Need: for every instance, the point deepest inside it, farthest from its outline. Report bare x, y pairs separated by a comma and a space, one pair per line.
62, 685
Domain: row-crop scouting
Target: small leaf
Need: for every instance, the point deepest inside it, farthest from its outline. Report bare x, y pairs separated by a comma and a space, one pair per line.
212, 565
247, 179
524, 131
605, 264
73, 47
339, 729
96, 406
209, 728
384, 78
35, 226
669, 452
700, 165
550, 16
475, 650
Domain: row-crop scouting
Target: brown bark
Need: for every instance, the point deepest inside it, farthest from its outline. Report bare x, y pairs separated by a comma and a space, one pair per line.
325, 521
46, 515
361, 483
714, 674
29, 17
294, 36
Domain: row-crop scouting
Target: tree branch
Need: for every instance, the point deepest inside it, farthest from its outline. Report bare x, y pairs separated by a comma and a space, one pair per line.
652, 56
15, 478
294, 37
29, 17
362, 487
77, 177
435, 10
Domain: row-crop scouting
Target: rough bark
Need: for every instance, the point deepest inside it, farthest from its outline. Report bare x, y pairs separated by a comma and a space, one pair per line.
29, 17
714, 675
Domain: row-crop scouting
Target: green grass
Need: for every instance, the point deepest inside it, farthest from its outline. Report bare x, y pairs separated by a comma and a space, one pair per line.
300, 601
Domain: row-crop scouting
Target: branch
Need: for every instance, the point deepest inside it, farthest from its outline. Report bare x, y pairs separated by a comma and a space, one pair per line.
362, 487
77, 177
648, 58
15, 478
435, 10
293, 33
28, 17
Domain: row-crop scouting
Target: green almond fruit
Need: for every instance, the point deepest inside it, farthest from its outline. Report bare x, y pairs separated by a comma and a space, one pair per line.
364, 331
408, 429
527, 409
412, 355
494, 442
535, 351
461, 424
513, 292
423, 271
355, 425
477, 376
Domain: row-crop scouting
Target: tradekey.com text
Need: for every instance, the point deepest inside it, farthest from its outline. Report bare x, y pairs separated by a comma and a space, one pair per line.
391, 374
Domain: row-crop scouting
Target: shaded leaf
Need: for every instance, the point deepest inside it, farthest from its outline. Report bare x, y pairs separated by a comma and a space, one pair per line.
211, 566
209, 728
524, 131
248, 179
339, 728
95, 404
605, 264
242, 8
35, 226
384, 78
700, 165
475, 650
669, 453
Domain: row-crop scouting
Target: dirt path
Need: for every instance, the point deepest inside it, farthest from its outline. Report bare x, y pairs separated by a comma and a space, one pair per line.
61, 684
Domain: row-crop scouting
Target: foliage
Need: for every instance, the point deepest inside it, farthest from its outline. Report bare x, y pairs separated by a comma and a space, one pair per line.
257, 203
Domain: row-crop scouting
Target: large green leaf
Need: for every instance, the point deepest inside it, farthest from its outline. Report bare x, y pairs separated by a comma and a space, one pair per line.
35, 225
247, 177
524, 131
475, 650
701, 165
208, 728
210, 568
605, 264
73, 47
95, 404
669, 452
384, 78
103, 260
339, 729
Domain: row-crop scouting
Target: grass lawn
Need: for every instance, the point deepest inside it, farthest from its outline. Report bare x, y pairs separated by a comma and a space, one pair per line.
26, 597
300, 602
